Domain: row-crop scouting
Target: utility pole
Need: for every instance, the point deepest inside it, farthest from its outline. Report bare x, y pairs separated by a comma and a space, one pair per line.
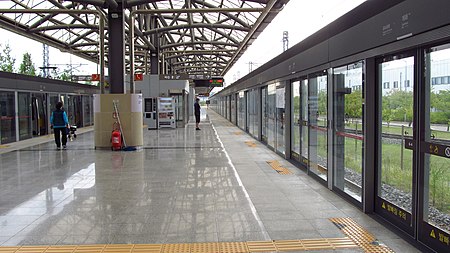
45, 63
285, 41
250, 66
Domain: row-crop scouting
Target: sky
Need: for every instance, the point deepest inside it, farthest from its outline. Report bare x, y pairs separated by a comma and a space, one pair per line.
300, 18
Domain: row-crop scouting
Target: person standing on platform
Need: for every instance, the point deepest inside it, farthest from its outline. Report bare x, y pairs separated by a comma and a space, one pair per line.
59, 122
197, 113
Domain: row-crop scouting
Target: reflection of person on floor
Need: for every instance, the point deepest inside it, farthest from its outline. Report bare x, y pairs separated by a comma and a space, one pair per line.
197, 113
59, 123
60, 169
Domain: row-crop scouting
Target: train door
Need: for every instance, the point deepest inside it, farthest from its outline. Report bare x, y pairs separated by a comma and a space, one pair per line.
434, 172
39, 117
318, 124
395, 170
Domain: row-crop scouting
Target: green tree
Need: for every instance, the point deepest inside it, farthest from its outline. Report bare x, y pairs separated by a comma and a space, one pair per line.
440, 102
322, 102
65, 75
398, 106
353, 104
386, 111
401, 103
6, 60
27, 66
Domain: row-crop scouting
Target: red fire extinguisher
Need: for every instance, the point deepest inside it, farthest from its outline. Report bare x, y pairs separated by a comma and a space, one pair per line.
116, 140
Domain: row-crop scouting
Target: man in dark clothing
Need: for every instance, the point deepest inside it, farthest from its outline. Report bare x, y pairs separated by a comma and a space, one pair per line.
59, 123
197, 113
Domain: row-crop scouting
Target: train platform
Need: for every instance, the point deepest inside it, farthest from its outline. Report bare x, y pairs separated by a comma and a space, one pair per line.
213, 190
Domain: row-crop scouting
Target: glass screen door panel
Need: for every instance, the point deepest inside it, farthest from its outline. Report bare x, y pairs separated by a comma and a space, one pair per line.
304, 126
436, 193
241, 110
280, 118
348, 131
7, 119
395, 162
318, 129
271, 115
233, 108
24, 115
39, 114
295, 120
264, 114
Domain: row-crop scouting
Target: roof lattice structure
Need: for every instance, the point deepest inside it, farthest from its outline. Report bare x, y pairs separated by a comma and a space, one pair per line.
191, 36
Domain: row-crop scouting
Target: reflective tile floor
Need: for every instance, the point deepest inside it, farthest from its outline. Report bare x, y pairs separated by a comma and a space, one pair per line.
184, 186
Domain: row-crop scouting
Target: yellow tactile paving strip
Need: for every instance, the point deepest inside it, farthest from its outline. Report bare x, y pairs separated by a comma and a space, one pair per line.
359, 235
296, 245
278, 168
217, 247
238, 133
250, 144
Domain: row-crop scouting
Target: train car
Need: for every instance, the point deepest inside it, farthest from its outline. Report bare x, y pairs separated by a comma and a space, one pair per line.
363, 107
26, 103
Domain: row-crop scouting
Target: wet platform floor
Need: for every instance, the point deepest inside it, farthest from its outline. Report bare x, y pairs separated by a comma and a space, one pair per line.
185, 187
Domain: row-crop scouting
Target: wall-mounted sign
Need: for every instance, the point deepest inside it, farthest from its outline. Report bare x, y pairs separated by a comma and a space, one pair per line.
138, 77
216, 82
95, 77
174, 77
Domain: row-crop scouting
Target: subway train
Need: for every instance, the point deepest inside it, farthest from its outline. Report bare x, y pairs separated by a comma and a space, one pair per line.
26, 103
363, 107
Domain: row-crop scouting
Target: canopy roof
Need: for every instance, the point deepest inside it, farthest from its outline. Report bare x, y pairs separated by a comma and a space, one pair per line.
190, 36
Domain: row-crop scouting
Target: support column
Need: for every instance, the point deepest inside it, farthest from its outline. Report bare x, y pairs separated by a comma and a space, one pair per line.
154, 63
154, 55
116, 51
